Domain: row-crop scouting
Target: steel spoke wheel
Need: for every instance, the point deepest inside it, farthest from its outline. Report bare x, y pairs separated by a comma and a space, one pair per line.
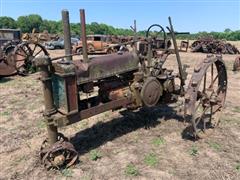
61, 154
205, 97
23, 55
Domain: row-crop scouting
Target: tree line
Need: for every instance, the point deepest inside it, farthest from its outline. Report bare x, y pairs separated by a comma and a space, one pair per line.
34, 21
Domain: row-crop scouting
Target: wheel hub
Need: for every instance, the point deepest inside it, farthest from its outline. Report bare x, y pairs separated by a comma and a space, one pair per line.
151, 92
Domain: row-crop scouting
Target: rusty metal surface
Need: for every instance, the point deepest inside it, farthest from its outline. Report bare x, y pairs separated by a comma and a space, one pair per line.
17, 57
236, 64
61, 154
83, 35
184, 46
23, 55
67, 34
92, 111
211, 45
151, 92
6, 70
7, 35
180, 67
105, 66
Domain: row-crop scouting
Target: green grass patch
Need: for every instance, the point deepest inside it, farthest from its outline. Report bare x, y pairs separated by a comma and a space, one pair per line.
5, 113
67, 172
194, 151
41, 124
131, 170
151, 159
238, 167
236, 109
95, 155
214, 145
158, 141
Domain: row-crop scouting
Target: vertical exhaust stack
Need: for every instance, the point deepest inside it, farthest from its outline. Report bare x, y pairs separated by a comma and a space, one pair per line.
83, 35
67, 34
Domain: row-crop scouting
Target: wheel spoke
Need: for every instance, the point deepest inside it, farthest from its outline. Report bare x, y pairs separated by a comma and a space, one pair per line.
20, 54
35, 46
211, 111
212, 82
23, 50
38, 53
203, 113
212, 74
20, 60
204, 82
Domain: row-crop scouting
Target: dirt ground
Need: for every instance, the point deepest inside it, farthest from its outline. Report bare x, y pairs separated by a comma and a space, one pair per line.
119, 145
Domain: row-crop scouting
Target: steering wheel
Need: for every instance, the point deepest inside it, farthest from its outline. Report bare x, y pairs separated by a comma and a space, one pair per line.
161, 30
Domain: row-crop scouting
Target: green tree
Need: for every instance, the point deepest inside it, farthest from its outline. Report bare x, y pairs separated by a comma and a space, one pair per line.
35, 21
7, 22
23, 24
227, 30
28, 23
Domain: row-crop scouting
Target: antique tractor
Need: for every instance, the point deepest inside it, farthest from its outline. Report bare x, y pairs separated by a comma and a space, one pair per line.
17, 56
131, 80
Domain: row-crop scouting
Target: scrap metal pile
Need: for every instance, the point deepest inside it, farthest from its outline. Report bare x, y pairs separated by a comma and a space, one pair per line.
16, 56
211, 45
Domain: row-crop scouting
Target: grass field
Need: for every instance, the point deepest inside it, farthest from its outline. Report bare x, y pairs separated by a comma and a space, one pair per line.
117, 145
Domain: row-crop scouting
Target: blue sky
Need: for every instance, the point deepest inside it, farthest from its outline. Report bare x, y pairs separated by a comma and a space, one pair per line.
187, 15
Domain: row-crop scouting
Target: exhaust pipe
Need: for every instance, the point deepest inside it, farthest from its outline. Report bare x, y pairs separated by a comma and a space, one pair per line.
83, 35
67, 34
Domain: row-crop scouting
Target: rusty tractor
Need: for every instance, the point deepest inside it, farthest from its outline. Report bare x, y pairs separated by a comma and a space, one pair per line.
131, 80
16, 56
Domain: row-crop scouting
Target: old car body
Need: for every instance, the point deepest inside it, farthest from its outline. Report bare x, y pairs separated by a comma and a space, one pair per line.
7, 35
59, 44
97, 44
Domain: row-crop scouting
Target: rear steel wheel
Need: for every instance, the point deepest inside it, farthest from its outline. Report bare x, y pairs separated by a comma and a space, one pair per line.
23, 55
205, 96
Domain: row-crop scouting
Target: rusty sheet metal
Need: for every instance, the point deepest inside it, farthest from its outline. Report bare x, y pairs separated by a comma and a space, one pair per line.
6, 70
65, 93
100, 67
236, 64
59, 93
106, 66
72, 93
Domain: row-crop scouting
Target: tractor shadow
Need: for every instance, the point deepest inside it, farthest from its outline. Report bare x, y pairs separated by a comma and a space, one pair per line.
4, 79
100, 133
